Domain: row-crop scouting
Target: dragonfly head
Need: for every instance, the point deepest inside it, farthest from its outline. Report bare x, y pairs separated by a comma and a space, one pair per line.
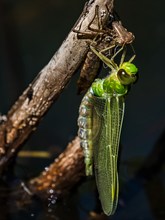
117, 83
127, 73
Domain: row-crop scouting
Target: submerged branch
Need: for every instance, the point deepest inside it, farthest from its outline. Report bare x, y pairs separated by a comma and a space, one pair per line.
35, 101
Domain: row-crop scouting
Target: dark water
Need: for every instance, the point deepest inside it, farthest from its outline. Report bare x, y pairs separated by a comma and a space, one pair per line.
142, 197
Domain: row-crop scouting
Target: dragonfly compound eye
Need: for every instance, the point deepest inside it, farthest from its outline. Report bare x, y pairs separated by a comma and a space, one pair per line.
125, 78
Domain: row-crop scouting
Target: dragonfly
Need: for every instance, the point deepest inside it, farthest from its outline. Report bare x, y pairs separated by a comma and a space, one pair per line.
102, 37
100, 121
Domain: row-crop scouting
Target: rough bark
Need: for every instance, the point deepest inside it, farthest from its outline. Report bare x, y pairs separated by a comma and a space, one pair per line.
35, 101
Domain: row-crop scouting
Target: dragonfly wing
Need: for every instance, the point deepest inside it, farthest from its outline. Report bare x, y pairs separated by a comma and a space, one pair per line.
110, 112
117, 106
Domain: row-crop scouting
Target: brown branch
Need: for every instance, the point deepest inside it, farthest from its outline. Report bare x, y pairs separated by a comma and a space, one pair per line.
56, 180
61, 175
35, 101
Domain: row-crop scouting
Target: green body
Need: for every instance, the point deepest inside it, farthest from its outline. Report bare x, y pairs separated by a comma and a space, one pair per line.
100, 135
100, 121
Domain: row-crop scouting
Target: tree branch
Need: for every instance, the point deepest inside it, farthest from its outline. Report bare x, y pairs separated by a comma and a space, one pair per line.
35, 101
61, 175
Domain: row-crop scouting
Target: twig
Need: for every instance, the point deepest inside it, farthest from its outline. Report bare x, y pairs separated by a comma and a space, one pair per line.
35, 101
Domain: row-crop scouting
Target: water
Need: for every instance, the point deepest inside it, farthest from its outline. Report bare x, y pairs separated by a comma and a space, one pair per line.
142, 197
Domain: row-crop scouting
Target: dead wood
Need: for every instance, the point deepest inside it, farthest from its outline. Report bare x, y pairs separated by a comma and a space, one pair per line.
36, 100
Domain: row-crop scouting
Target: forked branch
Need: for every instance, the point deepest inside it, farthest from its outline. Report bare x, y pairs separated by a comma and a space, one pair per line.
35, 101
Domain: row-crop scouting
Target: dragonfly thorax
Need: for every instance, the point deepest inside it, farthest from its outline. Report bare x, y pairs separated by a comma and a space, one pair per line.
110, 86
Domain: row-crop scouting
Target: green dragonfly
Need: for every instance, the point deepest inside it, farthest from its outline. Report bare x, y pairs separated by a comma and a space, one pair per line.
100, 120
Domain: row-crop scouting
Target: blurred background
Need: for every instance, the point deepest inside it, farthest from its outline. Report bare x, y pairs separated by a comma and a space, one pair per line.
30, 33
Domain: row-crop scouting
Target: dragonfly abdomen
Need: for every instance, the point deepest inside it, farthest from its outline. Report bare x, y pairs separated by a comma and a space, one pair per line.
85, 131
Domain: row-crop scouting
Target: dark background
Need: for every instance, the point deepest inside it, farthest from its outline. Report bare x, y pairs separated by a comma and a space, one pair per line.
30, 33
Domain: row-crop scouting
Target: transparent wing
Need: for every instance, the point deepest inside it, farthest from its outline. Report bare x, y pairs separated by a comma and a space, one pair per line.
109, 113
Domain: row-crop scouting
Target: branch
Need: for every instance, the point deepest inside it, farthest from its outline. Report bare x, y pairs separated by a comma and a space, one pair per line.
56, 180
36, 100
61, 175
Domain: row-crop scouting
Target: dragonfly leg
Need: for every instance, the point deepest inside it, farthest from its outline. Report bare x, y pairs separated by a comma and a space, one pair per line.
100, 29
110, 63
107, 48
117, 52
123, 55
133, 57
99, 22
84, 35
